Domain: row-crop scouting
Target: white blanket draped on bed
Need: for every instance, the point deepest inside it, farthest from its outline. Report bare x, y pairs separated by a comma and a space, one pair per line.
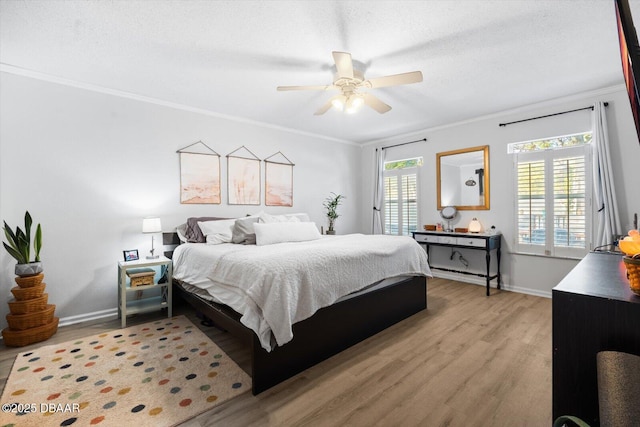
277, 285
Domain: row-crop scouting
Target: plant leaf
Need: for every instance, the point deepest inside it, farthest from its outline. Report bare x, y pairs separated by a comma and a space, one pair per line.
37, 241
11, 237
23, 243
14, 253
27, 225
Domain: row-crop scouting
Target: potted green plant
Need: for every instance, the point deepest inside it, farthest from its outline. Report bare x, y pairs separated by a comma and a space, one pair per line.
19, 247
331, 205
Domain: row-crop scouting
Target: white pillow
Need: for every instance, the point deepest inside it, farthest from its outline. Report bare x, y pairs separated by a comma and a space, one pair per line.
181, 231
280, 232
217, 232
302, 217
265, 218
268, 219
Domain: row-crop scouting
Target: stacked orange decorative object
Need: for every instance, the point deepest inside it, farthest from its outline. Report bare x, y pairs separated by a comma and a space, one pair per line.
31, 319
630, 245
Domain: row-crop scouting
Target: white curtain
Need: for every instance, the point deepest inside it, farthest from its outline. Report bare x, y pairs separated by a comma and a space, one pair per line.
378, 192
608, 218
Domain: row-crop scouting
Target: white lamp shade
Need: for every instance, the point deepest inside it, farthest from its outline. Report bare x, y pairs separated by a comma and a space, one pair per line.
475, 226
151, 225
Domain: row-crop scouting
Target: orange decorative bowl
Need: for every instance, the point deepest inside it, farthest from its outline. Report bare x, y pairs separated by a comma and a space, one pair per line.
29, 281
23, 294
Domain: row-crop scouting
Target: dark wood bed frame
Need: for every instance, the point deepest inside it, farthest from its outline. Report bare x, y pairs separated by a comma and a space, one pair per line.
328, 332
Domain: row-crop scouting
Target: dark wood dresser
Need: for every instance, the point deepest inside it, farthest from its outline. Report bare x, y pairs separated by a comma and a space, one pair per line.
593, 310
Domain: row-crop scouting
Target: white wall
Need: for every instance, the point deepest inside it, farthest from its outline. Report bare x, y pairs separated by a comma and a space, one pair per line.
536, 275
89, 166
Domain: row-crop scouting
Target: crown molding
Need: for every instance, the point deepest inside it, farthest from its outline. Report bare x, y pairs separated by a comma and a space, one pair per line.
11, 69
522, 109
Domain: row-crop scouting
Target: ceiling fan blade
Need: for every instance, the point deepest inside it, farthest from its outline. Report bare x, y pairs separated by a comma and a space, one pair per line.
325, 87
375, 103
344, 64
394, 80
325, 107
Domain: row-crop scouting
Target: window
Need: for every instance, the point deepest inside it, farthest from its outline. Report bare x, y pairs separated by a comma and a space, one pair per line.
400, 209
553, 208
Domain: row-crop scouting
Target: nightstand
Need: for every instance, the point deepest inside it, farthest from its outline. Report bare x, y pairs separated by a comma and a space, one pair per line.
131, 300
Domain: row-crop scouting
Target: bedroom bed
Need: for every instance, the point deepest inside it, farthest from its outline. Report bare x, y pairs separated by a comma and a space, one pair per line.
301, 330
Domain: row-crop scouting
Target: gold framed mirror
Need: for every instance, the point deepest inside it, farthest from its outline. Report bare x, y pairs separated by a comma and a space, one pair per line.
463, 178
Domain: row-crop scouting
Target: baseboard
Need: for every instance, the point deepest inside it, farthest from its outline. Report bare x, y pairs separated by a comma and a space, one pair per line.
528, 291
482, 282
87, 317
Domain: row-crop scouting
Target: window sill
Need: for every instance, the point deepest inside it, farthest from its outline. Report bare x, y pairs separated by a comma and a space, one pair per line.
572, 258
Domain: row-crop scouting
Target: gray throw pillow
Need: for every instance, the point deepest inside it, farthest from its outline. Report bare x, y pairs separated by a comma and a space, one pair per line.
243, 231
193, 232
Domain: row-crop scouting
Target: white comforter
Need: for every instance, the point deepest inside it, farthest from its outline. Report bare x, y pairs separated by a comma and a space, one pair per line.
277, 285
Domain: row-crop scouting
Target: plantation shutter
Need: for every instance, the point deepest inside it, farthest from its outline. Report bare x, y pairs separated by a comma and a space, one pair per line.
409, 204
569, 201
401, 196
531, 202
391, 204
553, 202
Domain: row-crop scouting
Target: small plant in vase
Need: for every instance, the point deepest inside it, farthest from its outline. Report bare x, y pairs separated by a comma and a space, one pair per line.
19, 247
31, 319
331, 205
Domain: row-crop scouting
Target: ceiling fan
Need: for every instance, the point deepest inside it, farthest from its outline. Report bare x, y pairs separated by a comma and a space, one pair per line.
349, 82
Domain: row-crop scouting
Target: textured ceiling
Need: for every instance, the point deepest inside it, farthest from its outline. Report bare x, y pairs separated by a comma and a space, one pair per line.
227, 57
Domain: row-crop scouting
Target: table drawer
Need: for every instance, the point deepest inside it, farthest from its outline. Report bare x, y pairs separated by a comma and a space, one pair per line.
448, 240
471, 241
427, 238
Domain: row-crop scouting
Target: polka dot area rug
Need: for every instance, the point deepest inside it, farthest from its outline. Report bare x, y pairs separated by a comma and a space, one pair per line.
156, 374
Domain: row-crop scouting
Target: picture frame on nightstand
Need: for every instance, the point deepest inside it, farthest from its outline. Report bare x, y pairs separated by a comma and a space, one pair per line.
131, 255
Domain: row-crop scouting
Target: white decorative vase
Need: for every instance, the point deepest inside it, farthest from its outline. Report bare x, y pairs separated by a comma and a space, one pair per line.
30, 269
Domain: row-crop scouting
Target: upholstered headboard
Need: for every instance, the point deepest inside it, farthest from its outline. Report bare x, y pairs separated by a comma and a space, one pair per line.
170, 239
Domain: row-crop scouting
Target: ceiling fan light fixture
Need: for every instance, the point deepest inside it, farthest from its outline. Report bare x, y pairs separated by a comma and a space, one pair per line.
353, 104
339, 102
348, 81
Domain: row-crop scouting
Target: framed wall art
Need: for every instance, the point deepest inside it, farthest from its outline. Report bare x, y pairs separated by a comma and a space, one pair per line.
199, 174
243, 177
278, 180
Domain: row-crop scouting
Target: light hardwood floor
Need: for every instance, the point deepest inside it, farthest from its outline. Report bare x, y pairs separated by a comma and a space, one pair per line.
467, 360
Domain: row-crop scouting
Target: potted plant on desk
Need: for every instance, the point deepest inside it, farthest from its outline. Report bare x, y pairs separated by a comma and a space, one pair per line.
331, 205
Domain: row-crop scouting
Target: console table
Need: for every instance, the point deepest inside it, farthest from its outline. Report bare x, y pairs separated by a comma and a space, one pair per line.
478, 241
593, 310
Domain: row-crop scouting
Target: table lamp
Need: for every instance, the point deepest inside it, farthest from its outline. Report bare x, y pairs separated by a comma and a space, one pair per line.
475, 226
151, 225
